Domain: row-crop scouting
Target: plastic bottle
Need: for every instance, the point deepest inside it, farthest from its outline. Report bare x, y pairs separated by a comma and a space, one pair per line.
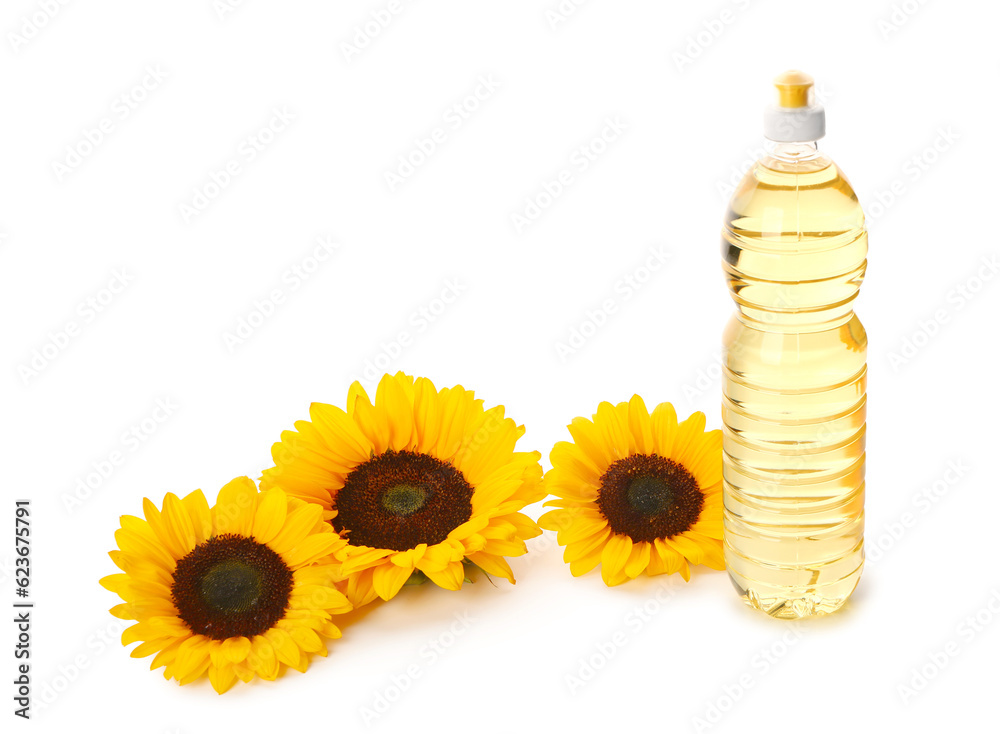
794, 252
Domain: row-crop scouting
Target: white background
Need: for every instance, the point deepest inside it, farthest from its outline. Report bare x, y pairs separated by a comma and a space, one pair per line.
688, 82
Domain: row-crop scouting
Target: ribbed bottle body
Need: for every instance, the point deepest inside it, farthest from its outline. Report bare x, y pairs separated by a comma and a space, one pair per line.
794, 379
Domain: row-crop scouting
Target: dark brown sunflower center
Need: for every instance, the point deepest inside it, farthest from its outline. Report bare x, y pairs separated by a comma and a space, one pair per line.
231, 586
404, 499
400, 499
648, 497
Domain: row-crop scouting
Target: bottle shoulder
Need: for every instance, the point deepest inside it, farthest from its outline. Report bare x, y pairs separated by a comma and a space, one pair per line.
815, 189
819, 172
794, 245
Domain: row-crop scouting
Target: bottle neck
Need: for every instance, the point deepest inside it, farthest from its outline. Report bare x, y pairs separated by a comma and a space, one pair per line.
791, 152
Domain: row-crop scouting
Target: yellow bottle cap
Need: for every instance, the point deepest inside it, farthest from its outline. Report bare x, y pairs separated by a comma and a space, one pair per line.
794, 88
795, 117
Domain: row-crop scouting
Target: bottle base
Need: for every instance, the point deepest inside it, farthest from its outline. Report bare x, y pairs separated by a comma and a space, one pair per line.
792, 604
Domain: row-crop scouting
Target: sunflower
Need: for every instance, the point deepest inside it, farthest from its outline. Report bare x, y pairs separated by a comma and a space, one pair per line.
419, 482
237, 590
637, 492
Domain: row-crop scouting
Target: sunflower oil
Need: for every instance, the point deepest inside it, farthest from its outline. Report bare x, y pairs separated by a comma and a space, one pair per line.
794, 252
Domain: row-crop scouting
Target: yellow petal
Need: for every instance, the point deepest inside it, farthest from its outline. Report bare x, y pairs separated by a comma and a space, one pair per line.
263, 659
586, 546
435, 559
243, 672
616, 579
236, 649
303, 665
589, 439
192, 653
179, 522
222, 677
304, 466
556, 519
311, 549
408, 558
341, 433
704, 458
168, 626
493, 565
657, 563
284, 646
235, 508
476, 543
371, 420
321, 575
672, 560
691, 550
621, 411
389, 579
640, 426
451, 577
685, 570
167, 655
118, 558
305, 638
315, 597
524, 526
392, 398
614, 432
710, 527
493, 492
713, 555
638, 559
117, 583
151, 646
688, 434
362, 557
488, 444
457, 406
360, 589
616, 552
664, 425
571, 459
161, 529
587, 563
329, 629
195, 673
504, 547
299, 523
122, 611
323, 596
585, 524
356, 394
136, 538
426, 415
272, 509
200, 514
